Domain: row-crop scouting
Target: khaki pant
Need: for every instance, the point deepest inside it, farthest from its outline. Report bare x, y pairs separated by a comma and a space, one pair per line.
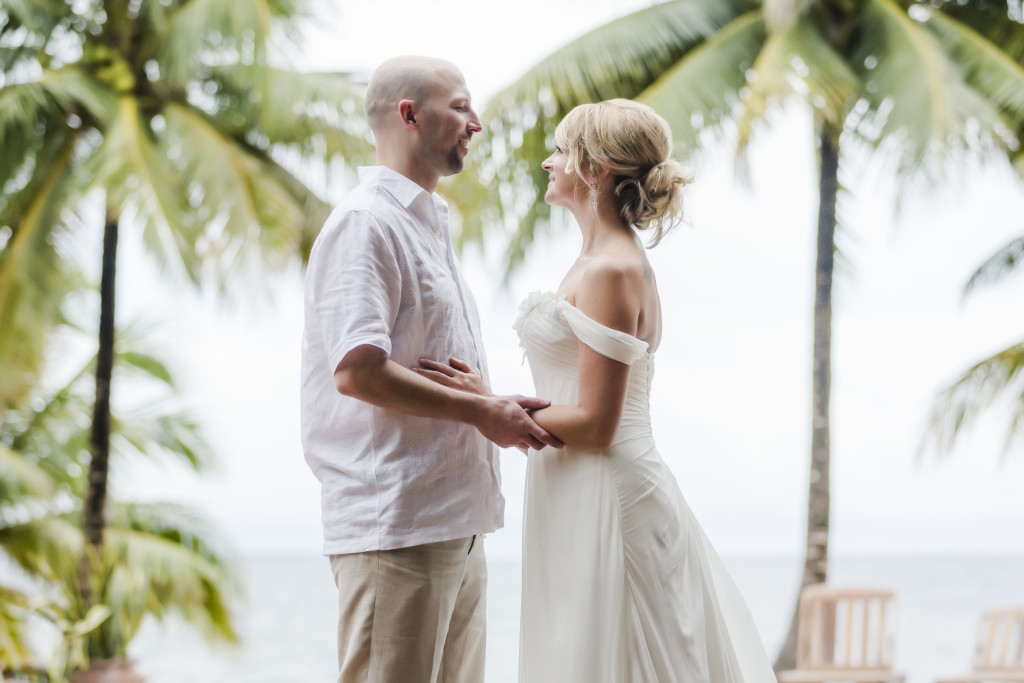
412, 615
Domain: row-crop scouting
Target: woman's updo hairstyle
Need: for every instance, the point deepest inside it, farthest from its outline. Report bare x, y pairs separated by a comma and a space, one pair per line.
633, 143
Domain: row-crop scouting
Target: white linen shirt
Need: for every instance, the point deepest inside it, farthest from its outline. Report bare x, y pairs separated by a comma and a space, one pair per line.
383, 272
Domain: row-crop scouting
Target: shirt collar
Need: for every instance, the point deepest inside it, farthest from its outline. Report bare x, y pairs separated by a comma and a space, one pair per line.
397, 185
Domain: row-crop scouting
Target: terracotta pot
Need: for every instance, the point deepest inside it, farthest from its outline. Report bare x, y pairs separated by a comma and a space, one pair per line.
107, 671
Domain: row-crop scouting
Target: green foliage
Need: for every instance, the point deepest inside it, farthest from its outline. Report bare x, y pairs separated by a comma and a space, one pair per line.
997, 378
172, 111
170, 114
157, 559
996, 381
998, 266
924, 84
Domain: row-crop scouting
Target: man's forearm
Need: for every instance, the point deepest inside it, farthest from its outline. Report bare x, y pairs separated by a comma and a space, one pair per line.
366, 373
391, 386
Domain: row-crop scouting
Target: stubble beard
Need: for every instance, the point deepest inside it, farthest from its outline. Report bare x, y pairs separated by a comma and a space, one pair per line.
447, 161
451, 163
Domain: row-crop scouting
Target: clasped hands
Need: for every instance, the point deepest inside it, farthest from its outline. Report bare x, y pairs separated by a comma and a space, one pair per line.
512, 424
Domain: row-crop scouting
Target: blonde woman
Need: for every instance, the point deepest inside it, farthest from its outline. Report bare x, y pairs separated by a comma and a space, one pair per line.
620, 585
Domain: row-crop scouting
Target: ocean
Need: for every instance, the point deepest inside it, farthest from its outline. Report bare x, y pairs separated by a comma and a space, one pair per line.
287, 623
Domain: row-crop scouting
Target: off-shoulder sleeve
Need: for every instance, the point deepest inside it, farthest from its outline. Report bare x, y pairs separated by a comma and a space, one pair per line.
613, 344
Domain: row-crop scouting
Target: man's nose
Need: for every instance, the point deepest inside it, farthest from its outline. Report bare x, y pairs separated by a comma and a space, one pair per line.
474, 122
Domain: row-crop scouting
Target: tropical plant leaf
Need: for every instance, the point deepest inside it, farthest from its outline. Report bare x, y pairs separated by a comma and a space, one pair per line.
14, 649
922, 111
38, 17
798, 62
252, 217
993, 20
20, 479
997, 266
698, 94
989, 70
159, 558
34, 277
48, 547
610, 61
159, 430
959, 405
319, 114
200, 33
147, 364
313, 208
65, 91
131, 168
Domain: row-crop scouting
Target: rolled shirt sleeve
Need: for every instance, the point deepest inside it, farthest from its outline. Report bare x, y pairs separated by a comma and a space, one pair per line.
357, 292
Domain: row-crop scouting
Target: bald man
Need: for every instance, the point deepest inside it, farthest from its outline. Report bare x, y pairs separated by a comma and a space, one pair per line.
408, 467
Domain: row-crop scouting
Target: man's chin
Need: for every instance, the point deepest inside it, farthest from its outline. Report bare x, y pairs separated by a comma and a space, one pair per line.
455, 166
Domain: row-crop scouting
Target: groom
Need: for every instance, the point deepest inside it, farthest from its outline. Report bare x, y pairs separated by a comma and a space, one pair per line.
408, 471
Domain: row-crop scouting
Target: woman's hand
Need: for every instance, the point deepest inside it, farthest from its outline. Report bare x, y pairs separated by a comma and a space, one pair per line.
458, 375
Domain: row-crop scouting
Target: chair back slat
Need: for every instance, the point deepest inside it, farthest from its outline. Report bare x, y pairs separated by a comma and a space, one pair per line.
999, 643
845, 628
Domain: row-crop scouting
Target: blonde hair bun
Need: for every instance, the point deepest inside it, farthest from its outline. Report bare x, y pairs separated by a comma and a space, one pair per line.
634, 143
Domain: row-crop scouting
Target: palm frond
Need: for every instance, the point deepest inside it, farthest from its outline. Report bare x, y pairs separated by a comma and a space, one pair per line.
922, 111
203, 33
133, 170
992, 20
997, 266
700, 91
53, 427
988, 69
959, 405
798, 62
158, 429
48, 547
14, 649
159, 558
33, 275
780, 15
314, 209
20, 478
249, 215
319, 114
611, 62
68, 90
147, 364
36, 17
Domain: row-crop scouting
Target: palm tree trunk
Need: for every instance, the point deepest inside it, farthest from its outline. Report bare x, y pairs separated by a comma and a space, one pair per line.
93, 511
818, 499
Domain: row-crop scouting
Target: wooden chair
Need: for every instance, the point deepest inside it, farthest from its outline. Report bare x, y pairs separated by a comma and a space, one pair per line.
998, 648
845, 634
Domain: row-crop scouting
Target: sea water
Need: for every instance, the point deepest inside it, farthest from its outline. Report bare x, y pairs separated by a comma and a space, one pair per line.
287, 622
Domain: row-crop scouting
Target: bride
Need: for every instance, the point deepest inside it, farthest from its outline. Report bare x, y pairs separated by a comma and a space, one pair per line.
620, 584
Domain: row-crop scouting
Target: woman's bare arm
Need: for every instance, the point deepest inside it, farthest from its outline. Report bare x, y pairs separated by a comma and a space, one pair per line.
610, 294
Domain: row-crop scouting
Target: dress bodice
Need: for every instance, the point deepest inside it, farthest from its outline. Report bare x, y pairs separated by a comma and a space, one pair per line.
550, 330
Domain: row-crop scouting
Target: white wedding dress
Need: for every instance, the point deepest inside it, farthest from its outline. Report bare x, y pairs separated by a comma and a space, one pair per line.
620, 584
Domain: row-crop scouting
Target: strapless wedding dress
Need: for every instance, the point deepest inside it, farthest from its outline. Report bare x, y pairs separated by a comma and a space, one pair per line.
620, 584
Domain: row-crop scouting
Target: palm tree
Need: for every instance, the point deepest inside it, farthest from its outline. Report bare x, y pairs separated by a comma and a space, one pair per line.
998, 377
170, 118
157, 557
924, 83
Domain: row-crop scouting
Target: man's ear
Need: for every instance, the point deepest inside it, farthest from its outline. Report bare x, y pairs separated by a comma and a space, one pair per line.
407, 110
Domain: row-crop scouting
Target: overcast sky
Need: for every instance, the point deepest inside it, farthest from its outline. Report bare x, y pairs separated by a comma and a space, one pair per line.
731, 392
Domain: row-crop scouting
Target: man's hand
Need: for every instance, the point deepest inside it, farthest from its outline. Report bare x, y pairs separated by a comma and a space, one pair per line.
458, 375
507, 422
